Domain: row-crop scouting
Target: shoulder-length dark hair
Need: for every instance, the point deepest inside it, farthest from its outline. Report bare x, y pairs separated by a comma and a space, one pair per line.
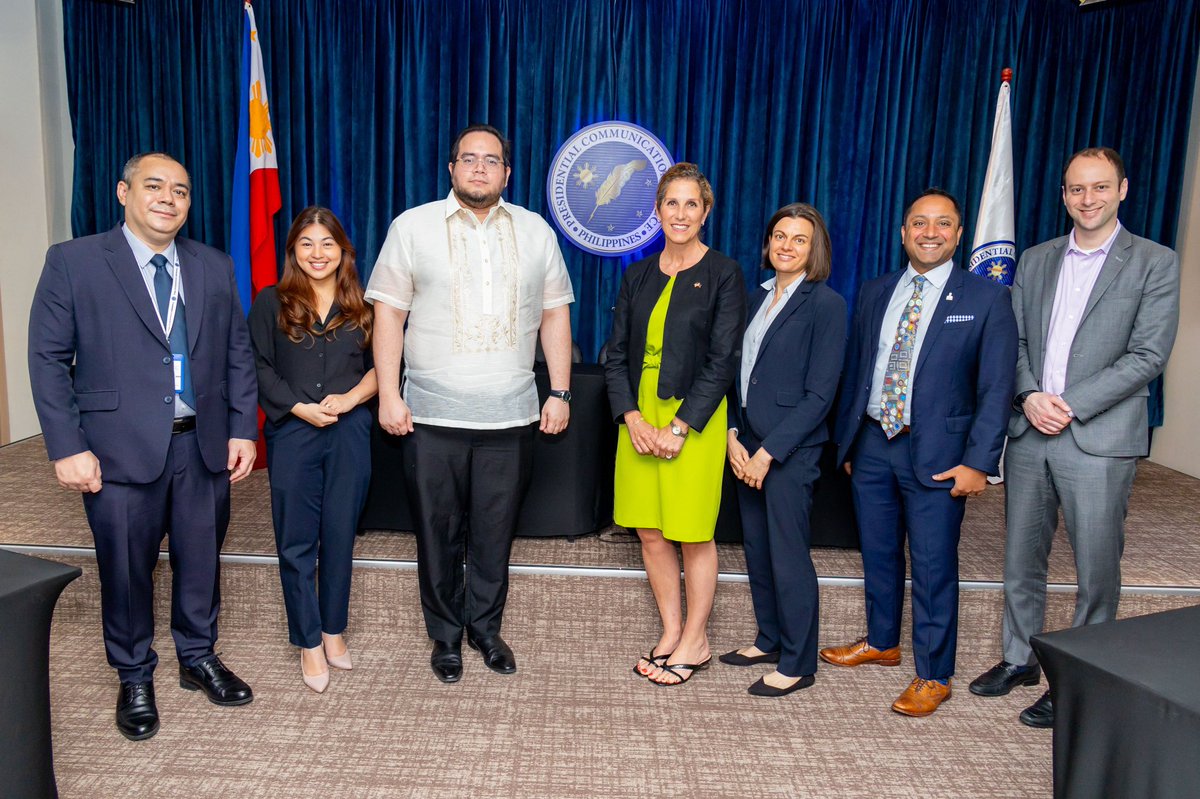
820, 251
298, 303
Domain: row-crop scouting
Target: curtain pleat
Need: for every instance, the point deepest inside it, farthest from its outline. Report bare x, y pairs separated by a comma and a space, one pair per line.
852, 105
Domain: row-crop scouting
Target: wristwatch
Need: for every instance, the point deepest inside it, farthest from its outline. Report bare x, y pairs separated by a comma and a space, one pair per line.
676, 430
563, 394
1019, 401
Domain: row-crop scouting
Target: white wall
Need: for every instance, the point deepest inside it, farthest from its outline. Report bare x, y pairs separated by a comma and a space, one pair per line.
1177, 442
34, 178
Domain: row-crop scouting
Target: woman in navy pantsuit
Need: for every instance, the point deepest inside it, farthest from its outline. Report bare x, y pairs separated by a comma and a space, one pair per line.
311, 337
790, 363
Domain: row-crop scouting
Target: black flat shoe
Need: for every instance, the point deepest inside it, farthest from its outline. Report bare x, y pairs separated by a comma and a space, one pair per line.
497, 655
220, 685
137, 715
1003, 677
736, 658
446, 660
1040, 714
761, 688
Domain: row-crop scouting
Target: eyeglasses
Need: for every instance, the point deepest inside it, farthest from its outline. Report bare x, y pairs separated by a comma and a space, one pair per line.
471, 159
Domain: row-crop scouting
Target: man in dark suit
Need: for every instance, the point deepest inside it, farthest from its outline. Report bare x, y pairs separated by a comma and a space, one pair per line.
925, 399
1097, 312
154, 422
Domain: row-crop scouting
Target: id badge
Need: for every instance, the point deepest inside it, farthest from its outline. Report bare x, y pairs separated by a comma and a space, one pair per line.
178, 366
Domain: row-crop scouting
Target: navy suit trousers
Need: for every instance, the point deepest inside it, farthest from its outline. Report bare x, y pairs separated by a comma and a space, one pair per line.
776, 538
893, 504
128, 521
319, 480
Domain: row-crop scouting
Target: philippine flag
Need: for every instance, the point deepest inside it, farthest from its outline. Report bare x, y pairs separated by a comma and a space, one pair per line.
994, 253
256, 197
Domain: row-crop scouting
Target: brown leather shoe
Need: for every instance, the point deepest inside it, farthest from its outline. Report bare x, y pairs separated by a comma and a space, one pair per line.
921, 697
860, 652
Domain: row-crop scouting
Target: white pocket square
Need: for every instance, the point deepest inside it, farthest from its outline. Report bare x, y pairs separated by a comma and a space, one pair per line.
966, 317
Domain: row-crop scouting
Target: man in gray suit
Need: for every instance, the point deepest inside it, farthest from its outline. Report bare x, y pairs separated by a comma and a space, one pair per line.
1096, 317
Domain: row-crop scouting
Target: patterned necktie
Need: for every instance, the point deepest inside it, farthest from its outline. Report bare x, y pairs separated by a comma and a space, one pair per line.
177, 337
899, 365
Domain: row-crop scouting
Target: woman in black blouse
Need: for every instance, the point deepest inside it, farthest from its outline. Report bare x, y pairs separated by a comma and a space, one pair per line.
311, 336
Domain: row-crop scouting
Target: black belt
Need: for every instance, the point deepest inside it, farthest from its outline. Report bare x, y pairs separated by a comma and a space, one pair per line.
183, 424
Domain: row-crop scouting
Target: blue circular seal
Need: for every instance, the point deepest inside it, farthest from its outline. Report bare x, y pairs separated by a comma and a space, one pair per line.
995, 260
601, 187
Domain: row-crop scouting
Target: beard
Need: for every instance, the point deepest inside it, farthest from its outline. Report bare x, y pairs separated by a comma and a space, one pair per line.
476, 198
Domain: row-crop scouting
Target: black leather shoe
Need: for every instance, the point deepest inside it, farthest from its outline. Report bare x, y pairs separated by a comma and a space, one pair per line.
1039, 714
497, 655
220, 685
446, 660
761, 688
736, 658
1003, 677
137, 715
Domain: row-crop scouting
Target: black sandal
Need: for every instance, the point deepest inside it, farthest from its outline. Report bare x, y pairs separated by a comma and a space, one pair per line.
655, 661
671, 669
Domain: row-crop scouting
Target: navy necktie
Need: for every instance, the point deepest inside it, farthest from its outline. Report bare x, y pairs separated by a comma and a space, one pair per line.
177, 337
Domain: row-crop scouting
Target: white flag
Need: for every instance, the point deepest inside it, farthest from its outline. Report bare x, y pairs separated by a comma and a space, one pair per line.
994, 252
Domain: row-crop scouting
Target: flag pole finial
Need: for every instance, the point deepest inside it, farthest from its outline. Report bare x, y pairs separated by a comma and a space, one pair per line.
1006, 74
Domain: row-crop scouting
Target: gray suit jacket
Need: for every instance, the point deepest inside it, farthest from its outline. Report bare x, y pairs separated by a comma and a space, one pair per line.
1122, 344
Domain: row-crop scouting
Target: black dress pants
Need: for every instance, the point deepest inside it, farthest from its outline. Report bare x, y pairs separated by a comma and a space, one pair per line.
466, 487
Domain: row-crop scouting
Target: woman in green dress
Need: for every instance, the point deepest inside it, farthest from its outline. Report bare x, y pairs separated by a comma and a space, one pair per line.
670, 364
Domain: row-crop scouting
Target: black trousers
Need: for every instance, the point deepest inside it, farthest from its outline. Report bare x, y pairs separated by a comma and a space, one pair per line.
776, 538
466, 487
319, 479
128, 521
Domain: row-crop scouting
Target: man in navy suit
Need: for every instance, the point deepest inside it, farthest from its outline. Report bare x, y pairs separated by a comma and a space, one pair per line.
926, 396
154, 422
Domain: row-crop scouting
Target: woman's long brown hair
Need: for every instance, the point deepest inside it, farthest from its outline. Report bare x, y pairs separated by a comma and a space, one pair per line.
297, 301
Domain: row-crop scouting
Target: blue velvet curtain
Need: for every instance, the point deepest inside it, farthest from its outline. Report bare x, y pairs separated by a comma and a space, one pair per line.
853, 105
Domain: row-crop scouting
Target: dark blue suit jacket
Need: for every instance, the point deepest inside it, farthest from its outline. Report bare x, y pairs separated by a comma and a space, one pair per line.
963, 387
92, 308
795, 375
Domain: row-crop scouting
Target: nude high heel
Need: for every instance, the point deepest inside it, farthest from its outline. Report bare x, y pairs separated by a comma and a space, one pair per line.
317, 682
341, 661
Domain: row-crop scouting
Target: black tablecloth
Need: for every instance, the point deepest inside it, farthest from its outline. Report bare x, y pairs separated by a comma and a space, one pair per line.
1126, 706
570, 490
29, 588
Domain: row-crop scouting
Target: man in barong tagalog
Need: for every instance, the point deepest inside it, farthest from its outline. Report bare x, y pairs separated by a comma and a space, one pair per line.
477, 280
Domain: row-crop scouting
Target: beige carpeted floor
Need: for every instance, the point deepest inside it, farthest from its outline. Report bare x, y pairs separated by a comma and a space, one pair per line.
574, 721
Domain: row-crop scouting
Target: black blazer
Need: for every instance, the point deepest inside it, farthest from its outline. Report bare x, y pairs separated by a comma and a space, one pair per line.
704, 321
795, 376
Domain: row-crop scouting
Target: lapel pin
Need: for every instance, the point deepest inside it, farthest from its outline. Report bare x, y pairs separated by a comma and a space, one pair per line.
950, 297
696, 285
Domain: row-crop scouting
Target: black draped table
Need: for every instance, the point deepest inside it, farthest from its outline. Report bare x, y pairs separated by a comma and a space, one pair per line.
1126, 706
570, 489
29, 589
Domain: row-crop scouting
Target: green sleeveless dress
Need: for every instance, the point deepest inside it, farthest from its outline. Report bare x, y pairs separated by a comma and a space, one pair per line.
681, 496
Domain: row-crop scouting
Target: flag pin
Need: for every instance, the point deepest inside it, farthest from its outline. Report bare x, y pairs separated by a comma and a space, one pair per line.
696, 285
